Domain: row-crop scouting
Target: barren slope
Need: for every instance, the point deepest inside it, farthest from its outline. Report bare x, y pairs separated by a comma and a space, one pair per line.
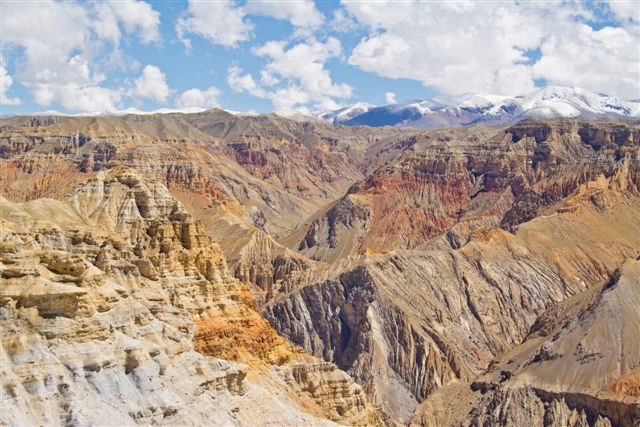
580, 365
117, 308
410, 322
455, 181
420, 262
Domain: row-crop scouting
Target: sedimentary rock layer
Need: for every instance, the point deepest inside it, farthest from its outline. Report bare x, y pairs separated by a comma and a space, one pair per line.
407, 323
109, 300
592, 339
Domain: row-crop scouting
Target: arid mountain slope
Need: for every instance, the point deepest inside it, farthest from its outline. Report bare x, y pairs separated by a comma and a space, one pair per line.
580, 365
243, 173
285, 168
447, 181
409, 322
117, 308
415, 261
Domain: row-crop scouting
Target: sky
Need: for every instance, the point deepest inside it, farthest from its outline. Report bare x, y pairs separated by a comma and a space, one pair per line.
306, 56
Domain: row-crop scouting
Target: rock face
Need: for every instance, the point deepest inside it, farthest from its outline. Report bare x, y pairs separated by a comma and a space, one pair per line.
443, 182
407, 323
333, 390
238, 175
208, 266
339, 232
593, 336
107, 302
284, 168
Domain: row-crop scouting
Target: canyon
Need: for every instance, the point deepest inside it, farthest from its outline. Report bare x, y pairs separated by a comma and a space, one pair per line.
212, 268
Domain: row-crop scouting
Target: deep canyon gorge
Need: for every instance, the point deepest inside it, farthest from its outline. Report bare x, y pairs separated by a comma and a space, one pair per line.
212, 268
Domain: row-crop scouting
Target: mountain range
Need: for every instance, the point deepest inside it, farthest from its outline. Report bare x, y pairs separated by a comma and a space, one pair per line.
222, 269
467, 109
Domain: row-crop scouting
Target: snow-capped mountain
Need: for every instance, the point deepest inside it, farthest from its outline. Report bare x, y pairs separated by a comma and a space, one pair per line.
346, 113
557, 101
551, 101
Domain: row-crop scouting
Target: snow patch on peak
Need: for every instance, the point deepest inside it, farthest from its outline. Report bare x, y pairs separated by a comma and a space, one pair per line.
482, 101
554, 101
345, 113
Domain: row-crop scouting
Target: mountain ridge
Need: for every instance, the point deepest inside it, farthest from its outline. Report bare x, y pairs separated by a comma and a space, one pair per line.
467, 109
411, 259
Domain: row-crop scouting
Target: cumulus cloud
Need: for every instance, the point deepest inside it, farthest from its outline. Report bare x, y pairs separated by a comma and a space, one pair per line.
225, 22
455, 47
342, 21
5, 83
586, 60
134, 16
390, 97
625, 9
295, 77
57, 44
492, 47
75, 97
301, 13
195, 97
220, 22
152, 84
244, 83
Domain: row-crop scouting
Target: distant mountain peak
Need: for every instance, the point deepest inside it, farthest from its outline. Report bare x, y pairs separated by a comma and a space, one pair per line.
345, 113
470, 108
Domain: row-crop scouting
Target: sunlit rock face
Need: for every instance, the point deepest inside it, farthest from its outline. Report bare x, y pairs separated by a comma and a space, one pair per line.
191, 269
110, 301
551, 214
592, 336
451, 180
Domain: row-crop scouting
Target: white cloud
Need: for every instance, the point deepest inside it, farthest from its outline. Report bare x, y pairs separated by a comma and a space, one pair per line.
304, 62
301, 13
486, 47
134, 16
220, 22
297, 74
199, 98
75, 97
625, 9
47, 31
455, 47
244, 83
390, 97
610, 57
342, 21
152, 84
74, 86
57, 44
224, 22
5, 83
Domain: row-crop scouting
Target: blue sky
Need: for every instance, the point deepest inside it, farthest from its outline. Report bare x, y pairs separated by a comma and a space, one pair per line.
306, 56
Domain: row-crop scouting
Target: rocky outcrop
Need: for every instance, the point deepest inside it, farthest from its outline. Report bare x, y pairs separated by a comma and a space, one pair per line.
285, 168
109, 303
263, 172
477, 177
339, 232
333, 390
591, 337
414, 261
410, 322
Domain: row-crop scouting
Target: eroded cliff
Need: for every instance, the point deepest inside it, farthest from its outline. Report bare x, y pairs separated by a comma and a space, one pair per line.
406, 323
429, 266
111, 301
592, 339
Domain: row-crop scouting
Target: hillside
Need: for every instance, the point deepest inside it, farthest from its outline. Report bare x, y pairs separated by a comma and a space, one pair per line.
212, 264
